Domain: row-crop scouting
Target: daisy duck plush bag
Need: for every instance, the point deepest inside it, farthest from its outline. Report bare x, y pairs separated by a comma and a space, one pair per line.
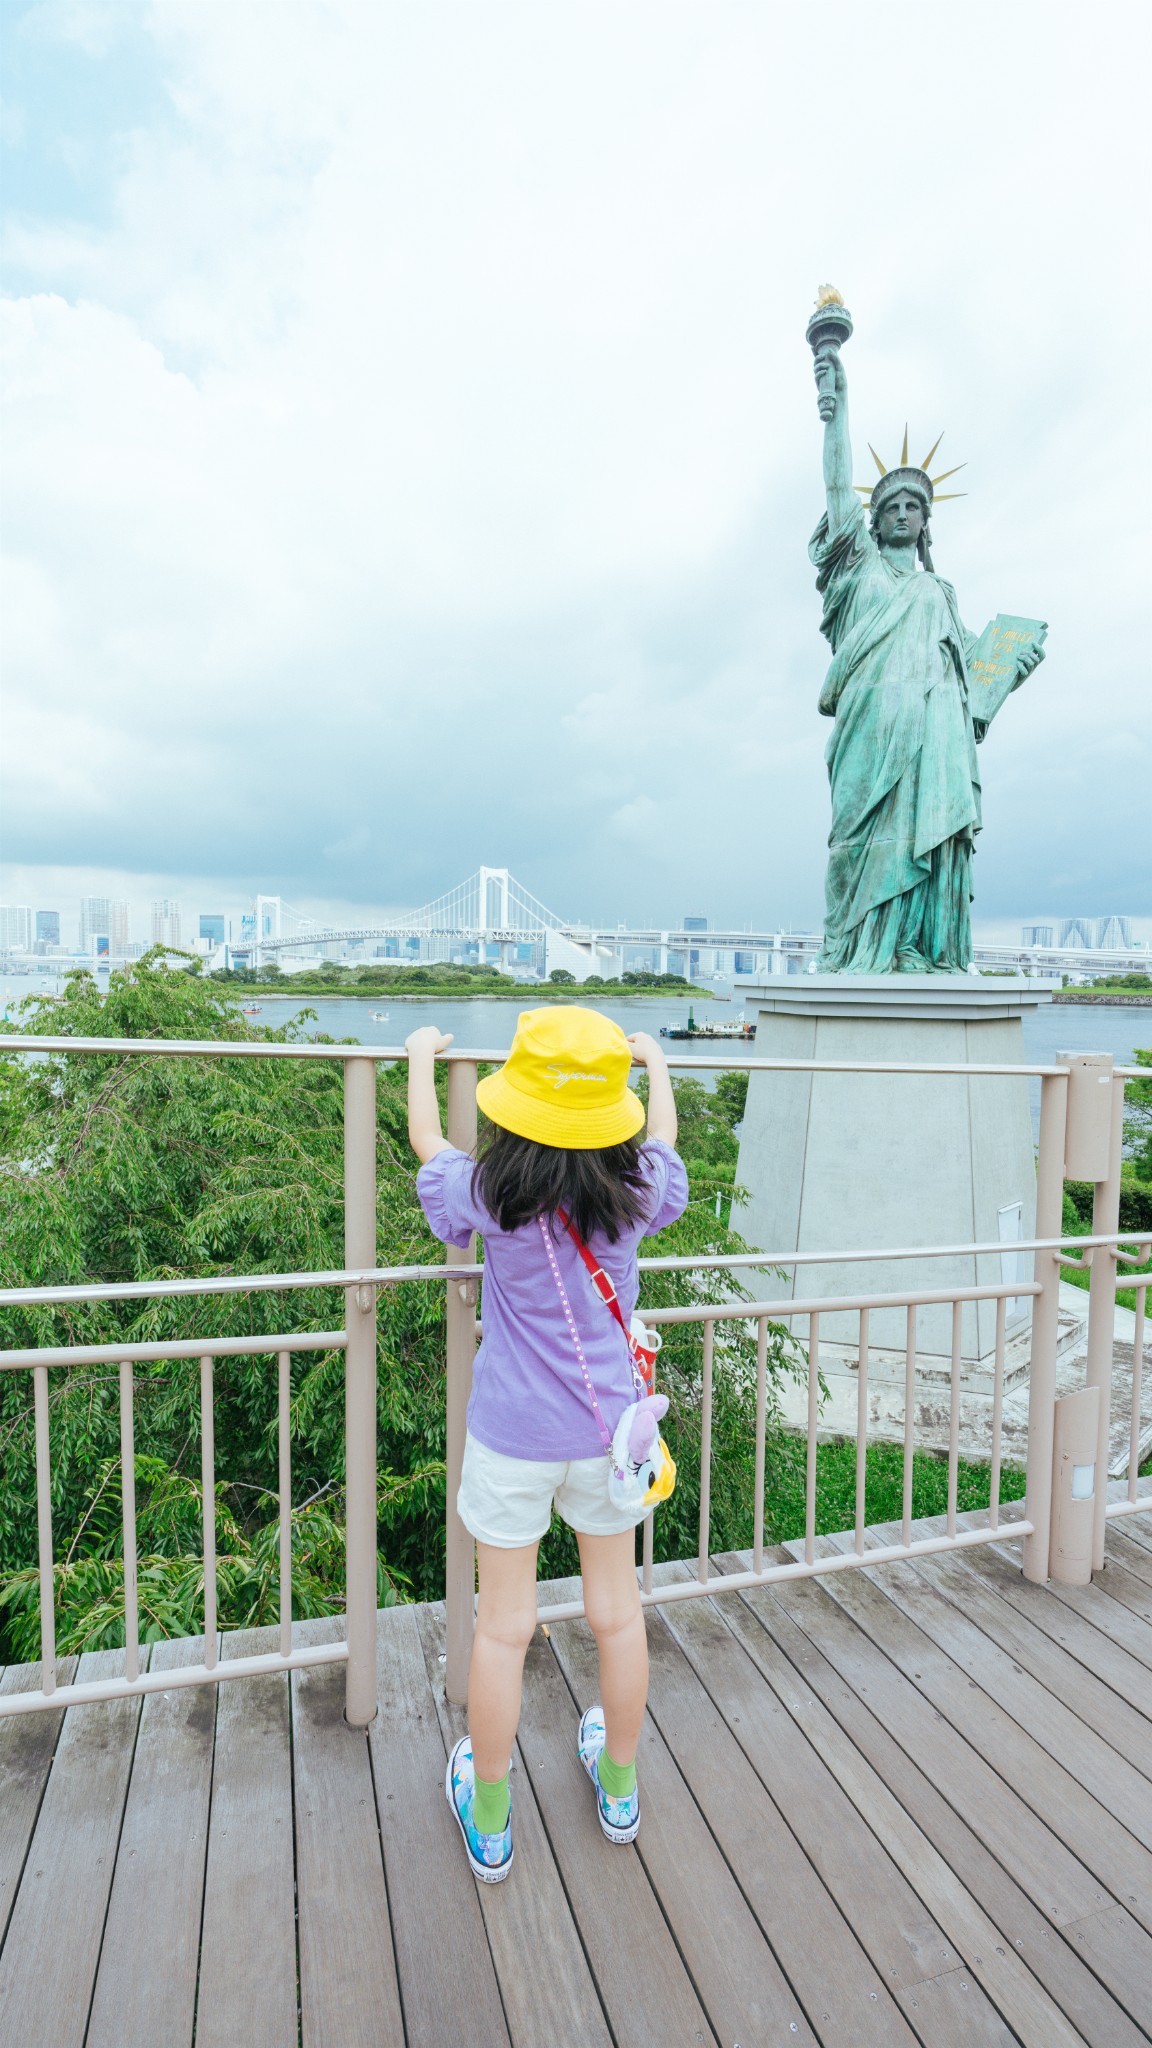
642, 1471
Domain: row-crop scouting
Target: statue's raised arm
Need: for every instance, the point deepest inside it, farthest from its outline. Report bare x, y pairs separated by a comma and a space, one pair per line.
832, 403
829, 327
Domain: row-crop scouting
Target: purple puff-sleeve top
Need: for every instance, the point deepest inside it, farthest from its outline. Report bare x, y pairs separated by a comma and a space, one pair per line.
528, 1395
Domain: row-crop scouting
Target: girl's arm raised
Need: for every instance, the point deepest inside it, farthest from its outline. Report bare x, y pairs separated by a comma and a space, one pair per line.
425, 1132
661, 1101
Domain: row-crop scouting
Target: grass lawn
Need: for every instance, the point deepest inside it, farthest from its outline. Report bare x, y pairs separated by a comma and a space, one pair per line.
884, 1488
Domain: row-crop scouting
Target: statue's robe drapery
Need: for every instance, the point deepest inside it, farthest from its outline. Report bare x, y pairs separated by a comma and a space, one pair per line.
901, 761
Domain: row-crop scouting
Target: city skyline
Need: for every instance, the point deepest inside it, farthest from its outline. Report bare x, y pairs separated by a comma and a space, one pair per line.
143, 920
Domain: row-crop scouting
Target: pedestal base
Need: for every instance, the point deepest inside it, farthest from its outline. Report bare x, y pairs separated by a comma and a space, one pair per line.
838, 1162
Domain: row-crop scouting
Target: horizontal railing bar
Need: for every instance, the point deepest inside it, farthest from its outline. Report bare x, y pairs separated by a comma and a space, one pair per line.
184, 1347
836, 1561
328, 1340
166, 1681
834, 1304
1142, 1505
392, 1276
223, 1048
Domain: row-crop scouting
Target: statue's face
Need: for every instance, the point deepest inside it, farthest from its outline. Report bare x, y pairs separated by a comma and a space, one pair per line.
901, 520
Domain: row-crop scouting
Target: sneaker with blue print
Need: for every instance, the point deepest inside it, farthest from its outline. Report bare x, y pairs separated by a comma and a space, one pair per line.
619, 1818
489, 1855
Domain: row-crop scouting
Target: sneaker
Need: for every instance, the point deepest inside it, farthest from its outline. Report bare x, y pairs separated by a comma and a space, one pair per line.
489, 1855
619, 1818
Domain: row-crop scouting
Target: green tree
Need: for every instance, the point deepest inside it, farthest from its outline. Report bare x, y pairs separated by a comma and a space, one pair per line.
130, 1169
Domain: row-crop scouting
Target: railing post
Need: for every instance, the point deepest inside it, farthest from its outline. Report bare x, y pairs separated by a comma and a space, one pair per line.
1045, 1325
460, 1561
1102, 1297
360, 1388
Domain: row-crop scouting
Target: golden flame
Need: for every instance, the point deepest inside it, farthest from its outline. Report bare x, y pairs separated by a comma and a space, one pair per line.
828, 296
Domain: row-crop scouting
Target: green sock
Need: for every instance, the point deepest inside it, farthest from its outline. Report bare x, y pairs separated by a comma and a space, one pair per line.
491, 1805
617, 1780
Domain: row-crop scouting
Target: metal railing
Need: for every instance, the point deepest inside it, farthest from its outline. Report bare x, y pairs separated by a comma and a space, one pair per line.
1080, 1138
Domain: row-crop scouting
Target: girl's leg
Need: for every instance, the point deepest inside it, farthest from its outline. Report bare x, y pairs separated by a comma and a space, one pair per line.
505, 1621
612, 1604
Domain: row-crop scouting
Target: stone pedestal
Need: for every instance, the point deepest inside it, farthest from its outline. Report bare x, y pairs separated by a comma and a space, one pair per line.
838, 1162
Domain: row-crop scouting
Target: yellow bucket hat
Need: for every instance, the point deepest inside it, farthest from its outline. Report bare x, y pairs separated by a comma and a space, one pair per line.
565, 1081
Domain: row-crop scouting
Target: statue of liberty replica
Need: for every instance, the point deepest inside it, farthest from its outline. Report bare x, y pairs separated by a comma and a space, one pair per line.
911, 692
839, 1147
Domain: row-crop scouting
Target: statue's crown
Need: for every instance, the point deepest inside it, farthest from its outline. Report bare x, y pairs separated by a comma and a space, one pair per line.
908, 476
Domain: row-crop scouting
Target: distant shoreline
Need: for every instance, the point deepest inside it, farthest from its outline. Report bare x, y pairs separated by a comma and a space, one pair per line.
1111, 999
518, 993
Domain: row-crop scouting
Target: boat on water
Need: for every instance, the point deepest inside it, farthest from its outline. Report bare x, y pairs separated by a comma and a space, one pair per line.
251, 1009
378, 1016
732, 1027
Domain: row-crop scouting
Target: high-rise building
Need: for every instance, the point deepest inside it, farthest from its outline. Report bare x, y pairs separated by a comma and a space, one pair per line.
104, 917
165, 922
1037, 935
48, 927
1114, 931
15, 928
212, 926
1075, 931
694, 924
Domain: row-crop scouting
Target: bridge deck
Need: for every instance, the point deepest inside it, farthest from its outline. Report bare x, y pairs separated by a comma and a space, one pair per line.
908, 1805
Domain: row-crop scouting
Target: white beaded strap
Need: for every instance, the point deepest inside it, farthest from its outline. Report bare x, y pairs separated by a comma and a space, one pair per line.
575, 1335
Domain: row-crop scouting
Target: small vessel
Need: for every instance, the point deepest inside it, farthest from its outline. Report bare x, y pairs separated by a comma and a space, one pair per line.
734, 1027
378, 1016
251, 1009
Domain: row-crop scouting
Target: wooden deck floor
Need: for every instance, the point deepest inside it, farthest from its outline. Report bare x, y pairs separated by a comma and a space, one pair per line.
906, 1806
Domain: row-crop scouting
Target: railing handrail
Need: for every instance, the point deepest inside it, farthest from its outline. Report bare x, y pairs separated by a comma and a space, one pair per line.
391, 1276
391, 1055
361, 1281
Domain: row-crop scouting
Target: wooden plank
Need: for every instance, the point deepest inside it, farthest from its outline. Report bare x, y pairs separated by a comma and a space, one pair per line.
646, 1990
1096, 1630
1134, 1554
949, 2009
1119, 1863
447, 1982
349, 1996
934, 1762
1065, 1733
49, 1962
1118, 1607
1094, 1678
547, 1988
1136, 1529
843, 1995
146, 1982
904, 1903
27, 1746
248, 1950
740, 1983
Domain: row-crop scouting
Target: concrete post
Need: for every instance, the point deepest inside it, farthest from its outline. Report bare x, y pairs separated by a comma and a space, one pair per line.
1078, 1481
360, 1388
460, 1562
1045, 1326
1109, 1094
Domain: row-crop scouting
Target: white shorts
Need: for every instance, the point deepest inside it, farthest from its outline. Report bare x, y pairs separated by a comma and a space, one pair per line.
508, 1501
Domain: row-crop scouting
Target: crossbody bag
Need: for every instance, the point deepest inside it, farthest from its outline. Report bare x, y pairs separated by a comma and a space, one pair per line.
641, 1468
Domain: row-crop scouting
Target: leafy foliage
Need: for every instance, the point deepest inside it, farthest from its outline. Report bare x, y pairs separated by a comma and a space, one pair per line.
117, 1170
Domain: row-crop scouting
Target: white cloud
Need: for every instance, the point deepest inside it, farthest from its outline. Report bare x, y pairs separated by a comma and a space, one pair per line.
422, 459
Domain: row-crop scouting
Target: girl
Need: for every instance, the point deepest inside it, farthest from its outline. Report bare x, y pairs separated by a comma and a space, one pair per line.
553, 1371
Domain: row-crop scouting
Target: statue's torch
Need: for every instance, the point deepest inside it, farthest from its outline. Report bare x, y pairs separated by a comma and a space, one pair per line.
828, 328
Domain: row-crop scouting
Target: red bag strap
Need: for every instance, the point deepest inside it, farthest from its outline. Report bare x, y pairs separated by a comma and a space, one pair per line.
600, 1280
608, 1296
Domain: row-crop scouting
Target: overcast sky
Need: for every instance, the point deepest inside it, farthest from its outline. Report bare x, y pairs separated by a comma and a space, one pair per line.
412, 447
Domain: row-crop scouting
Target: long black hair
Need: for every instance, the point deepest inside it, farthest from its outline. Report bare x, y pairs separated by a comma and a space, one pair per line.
518, 1180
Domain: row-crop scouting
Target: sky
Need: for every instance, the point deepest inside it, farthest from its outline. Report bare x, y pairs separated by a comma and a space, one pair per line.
412, 447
